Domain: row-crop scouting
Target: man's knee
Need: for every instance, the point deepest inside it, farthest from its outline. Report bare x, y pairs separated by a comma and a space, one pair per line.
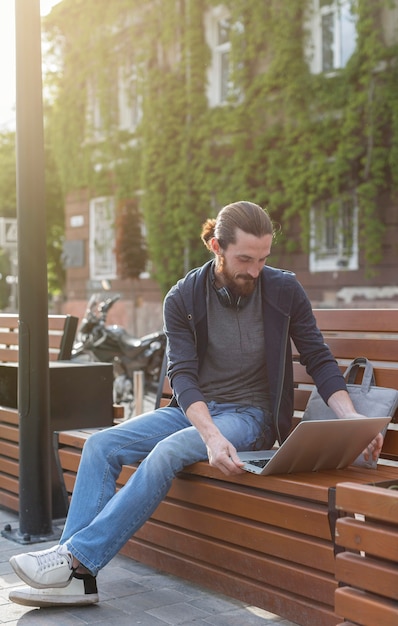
98, 442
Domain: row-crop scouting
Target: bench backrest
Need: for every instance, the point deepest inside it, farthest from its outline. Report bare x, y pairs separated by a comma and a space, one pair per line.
350, 333
61, 335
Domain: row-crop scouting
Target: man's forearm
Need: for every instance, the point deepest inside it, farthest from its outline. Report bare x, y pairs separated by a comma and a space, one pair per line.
341, 403
221, 453
199, 416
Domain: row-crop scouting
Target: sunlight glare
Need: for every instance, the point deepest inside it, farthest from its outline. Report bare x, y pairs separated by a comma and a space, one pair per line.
7, 56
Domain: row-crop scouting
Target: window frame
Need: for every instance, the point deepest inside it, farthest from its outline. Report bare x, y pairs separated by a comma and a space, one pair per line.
218, 90
130, 100
102, 262
327, 225
339, 10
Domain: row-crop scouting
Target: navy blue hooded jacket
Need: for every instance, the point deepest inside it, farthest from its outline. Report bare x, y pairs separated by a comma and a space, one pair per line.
287, 315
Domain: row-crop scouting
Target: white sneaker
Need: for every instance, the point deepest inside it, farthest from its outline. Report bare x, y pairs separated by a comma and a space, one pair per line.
46, 568
81, 590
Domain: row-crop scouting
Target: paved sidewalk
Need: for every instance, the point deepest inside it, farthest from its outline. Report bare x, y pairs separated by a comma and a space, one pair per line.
130, 593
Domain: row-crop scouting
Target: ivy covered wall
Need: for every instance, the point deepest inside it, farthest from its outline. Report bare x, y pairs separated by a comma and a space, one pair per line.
288, 139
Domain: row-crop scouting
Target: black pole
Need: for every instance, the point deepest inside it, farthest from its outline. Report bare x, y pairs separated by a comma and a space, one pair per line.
35, 514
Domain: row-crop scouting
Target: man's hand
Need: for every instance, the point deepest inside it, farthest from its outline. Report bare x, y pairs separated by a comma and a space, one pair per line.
222, 454
374, 448
342, 405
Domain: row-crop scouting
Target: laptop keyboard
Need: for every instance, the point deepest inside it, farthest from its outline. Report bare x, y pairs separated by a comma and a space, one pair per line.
259, 462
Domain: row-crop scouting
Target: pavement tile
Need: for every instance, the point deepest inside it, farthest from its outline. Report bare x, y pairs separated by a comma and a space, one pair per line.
244, 617
152, 600
213, 603
181, 613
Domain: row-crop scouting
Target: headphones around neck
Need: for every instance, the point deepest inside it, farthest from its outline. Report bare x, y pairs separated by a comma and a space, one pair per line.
226, 298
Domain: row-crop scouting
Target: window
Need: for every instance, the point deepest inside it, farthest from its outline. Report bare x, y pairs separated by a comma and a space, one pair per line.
130, 100
101, 109
93, 117
222, 50
218, 34
102, 238
334, 237
333, 34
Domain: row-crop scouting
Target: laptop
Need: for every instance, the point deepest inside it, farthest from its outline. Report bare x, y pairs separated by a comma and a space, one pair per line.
316, 445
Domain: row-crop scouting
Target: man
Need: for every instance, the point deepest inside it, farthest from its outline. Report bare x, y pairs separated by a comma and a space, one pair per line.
228, 324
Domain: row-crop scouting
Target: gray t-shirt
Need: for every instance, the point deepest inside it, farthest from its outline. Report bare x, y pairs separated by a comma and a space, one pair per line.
234, 369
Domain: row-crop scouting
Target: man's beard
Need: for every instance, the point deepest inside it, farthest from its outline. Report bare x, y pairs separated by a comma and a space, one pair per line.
244, 287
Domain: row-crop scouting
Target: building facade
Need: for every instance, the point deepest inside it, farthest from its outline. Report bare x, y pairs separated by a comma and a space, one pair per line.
291, 106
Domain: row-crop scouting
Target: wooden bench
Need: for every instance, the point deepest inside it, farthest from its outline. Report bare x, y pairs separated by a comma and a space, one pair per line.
268, 541
367, 570
61, 334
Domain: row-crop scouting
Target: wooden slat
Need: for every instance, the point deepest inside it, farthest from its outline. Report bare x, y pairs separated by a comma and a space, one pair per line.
372, 538
9, 416
9, 501
369, 574
54, 341
10, 450
385, 375
365, 609
167, 392
164, 402
9, 338
69, 480
379, 503
9, 433
10, 320
69, 458
374, 350
9, 483
355, 320
8, 466
8, 356
75, 438
390, 444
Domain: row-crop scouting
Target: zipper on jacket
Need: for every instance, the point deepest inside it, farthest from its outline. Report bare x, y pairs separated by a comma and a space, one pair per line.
281, 378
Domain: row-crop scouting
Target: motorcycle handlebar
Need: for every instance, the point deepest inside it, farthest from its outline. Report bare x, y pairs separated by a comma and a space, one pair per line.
104, 306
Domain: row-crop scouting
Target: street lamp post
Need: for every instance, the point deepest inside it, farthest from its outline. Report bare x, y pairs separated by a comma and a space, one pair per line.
35, 514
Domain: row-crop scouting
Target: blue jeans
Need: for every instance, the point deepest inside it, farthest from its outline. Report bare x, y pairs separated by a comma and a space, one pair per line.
100, 520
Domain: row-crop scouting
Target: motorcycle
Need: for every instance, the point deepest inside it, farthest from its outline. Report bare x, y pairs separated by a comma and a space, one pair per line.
97, 341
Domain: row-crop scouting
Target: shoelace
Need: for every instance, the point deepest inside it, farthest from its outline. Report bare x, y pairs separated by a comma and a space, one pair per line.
51, 559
